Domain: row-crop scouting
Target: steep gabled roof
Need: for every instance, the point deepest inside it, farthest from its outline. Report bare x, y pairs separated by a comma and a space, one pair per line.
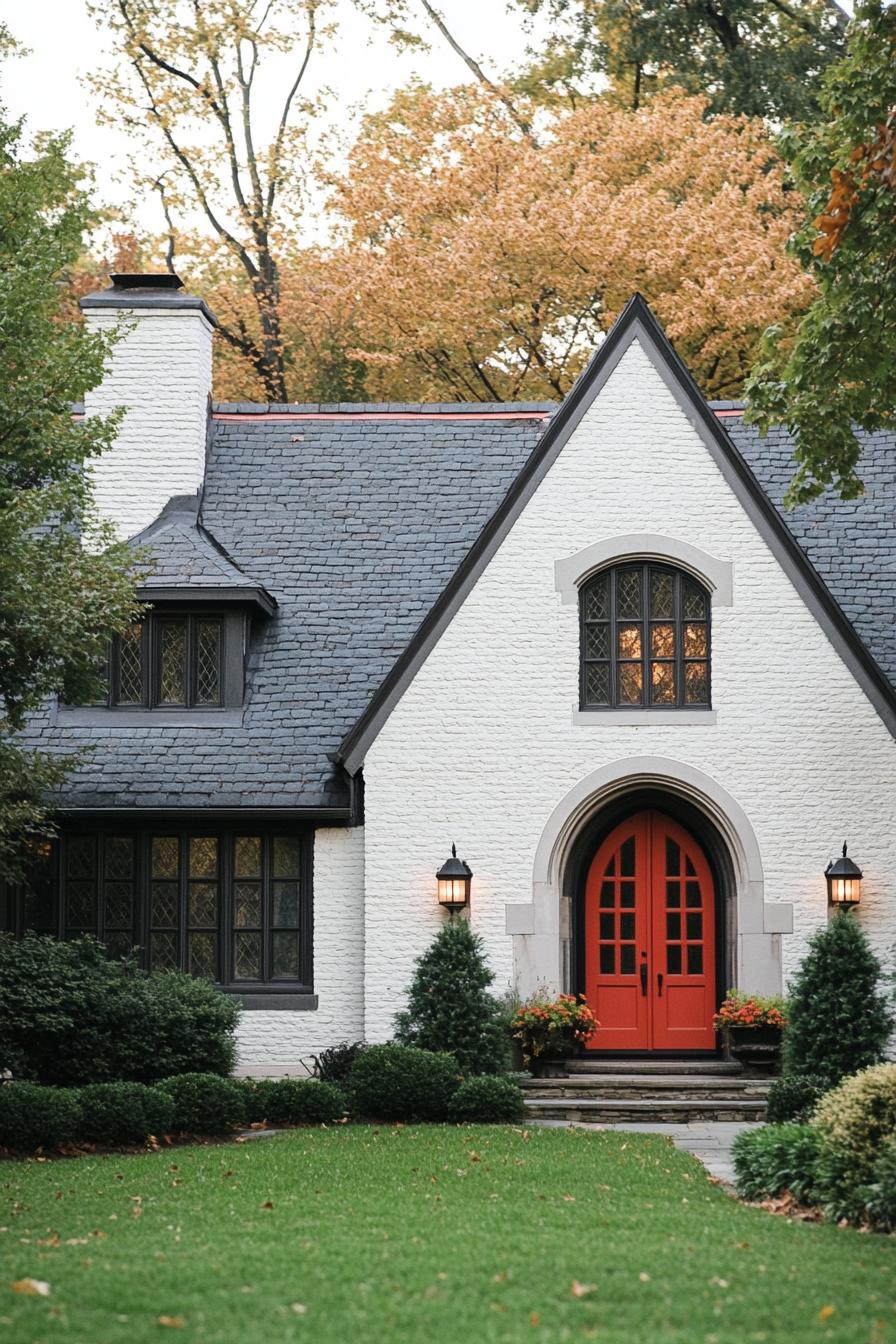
636, 322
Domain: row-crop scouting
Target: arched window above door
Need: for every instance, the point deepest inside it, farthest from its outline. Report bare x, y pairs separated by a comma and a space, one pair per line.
645, 639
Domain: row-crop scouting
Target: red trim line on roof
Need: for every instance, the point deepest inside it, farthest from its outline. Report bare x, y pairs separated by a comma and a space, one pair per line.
380, 415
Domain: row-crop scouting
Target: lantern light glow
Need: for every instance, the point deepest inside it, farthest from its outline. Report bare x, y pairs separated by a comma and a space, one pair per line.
453, 882
844, 880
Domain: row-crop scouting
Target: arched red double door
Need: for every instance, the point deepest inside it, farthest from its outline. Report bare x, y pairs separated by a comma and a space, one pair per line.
650, 949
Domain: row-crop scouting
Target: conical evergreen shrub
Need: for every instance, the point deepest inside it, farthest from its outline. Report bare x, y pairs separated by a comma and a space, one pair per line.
839, 1020
449, 1007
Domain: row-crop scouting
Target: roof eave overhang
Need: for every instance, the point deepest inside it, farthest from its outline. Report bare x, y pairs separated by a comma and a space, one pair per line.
249, 595
636, 322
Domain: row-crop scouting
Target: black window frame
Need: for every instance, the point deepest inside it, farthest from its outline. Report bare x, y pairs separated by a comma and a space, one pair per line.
55, 876
681, 580
151, 662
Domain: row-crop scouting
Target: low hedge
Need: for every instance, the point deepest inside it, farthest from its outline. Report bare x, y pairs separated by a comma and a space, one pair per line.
114, 1113
773, 1158
294, 1101
489, 1100
334, 1064
32, 1116
403, 1082
205, 1103
881, 1199
70, 1014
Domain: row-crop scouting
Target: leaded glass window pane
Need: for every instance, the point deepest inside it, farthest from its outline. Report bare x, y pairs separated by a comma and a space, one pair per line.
164, 856
628, 593
203, 856
662, 641
204, 955
172, 662
597, 599
597, 684
629, 638
597, 641
130, 666
163, 951
204, 904
286, 856
694, 602
163, 906
696, 687
285, 912
80, 856
630, 683
247, 905
695, 640
662, 599
40, 888
247, 856
208, 662
662, 683
284, 956
247, 956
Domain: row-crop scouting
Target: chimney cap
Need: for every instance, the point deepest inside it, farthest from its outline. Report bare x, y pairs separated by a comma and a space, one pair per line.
158, 280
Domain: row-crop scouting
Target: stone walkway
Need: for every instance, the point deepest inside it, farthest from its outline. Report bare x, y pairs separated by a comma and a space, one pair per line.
709, 1140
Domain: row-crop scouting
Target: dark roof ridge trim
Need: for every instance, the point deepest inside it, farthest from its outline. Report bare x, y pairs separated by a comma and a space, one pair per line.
635, 321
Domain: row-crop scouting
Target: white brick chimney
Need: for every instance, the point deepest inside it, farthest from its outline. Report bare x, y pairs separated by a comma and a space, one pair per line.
161, 372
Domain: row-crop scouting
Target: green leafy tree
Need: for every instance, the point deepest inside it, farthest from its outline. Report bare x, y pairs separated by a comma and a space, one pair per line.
839, 372
449, 1007
63, 587
757, 57
839, 1019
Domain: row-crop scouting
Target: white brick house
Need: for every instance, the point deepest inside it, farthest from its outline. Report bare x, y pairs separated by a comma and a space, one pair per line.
582, 642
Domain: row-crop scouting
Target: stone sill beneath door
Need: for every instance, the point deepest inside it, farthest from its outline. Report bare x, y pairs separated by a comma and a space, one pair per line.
641, 718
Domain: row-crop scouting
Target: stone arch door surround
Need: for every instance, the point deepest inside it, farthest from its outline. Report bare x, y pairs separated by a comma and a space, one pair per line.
541, 930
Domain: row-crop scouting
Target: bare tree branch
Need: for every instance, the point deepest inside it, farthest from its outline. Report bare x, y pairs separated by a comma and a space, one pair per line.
473, 65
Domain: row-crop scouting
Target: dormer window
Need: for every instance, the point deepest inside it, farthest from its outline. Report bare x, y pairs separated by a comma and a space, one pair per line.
644, 639
168, 660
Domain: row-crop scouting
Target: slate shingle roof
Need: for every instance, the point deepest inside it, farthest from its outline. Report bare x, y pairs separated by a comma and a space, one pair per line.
354, 519
181, 553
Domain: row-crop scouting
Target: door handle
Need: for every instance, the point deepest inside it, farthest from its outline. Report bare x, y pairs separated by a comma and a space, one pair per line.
644, 978
659, 984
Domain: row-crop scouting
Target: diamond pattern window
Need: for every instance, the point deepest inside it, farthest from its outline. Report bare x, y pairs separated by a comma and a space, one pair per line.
645, 639
171, 661
230, 907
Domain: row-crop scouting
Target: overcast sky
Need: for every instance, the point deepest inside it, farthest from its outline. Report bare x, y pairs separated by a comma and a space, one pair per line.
363, 68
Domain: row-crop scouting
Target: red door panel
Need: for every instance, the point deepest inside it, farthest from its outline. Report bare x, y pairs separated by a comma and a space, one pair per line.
617, 933
650, 939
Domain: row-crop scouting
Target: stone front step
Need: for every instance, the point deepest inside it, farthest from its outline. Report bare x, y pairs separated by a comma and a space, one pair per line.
665, 1110
619, 1064
642, 1087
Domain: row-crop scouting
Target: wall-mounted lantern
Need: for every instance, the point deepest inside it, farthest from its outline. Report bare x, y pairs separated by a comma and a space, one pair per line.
844, 882
453, 882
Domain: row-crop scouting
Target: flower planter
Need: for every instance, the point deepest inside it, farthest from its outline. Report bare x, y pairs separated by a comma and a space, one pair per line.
552, 1062
755, 1047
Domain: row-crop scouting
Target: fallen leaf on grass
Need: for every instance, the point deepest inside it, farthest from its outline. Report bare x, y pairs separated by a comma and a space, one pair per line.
719, 1283
267, 1204
173, 1322
31, 1287
581, 1289
534, 1318
826, 1313
645, 1278
569, 1199
298, 1307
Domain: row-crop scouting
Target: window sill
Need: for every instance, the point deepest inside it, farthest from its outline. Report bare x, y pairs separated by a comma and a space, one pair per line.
642, 718
277, 1001
98, 717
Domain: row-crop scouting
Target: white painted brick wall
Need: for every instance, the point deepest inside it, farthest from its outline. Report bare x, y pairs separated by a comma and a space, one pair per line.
482, 746
283, 1042
161, 371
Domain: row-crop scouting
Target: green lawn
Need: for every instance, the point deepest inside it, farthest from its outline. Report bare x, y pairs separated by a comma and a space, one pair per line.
427, 1235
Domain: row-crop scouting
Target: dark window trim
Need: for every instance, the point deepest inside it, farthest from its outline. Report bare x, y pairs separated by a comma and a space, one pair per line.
226, 834
645, 621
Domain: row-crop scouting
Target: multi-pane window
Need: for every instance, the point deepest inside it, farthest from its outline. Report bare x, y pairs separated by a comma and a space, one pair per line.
644, 639
233, 908
164, 660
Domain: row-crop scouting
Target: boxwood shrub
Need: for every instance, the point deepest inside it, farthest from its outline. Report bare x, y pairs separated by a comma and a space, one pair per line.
205, 1103
773, 1158
402, 1082
488, 1100
881, 1202
335, 1063
70, 1014
33, 1117
124, 1112
855, 1120
294, 1101
793, 1096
